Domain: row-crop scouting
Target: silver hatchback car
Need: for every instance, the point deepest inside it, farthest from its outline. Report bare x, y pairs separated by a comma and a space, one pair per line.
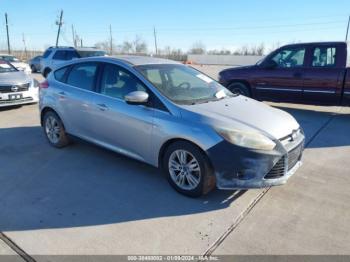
173, 117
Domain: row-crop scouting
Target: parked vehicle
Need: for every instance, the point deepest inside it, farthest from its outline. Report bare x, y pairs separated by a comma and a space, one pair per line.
34, 64
54, 56
174, 117
313, 73
21, 66
16, 87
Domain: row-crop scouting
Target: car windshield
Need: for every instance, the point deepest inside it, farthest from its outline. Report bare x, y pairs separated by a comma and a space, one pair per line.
5, 67
91, 53
10, 58
183, 84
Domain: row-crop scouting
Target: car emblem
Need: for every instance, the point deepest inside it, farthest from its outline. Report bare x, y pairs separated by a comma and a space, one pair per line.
14, 88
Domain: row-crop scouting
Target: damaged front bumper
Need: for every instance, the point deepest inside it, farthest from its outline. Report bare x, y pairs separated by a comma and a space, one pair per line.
241, 168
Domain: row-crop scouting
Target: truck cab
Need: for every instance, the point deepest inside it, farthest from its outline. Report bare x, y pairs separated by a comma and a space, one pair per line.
312, 73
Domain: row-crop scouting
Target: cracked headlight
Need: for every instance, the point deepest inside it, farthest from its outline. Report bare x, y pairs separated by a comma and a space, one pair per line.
247, 139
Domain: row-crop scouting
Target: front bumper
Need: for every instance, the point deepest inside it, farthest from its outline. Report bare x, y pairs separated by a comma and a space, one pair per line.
27, 97
240, 168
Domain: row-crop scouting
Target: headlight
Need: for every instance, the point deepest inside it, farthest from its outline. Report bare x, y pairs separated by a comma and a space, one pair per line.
247, 139
35, 83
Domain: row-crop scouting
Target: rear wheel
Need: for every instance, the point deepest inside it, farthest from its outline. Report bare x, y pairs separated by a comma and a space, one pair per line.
46, 72
32, 67
188, 169
54, 130
239, 88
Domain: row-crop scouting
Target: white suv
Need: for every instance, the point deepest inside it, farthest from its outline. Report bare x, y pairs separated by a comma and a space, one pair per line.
55, 56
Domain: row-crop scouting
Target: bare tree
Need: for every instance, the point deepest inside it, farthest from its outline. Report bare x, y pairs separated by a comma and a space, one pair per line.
138, 45
197, 48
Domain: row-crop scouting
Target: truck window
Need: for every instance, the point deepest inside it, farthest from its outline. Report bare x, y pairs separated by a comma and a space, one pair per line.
290, 58
324, 57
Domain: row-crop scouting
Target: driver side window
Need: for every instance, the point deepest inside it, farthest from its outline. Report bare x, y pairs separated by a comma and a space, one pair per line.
117, 82
290, 58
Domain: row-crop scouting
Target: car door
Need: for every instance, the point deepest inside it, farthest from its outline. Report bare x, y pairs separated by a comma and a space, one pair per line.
76, 98
122, 127
280, 77
323, 77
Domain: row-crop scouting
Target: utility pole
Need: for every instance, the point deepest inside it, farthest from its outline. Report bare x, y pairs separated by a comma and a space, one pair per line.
155, 40
25, 46
111, 39
59, 23
74, 39
81, 42
347, 30
8, 37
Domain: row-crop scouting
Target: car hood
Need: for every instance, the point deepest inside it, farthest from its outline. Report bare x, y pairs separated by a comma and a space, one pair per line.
19, 64
14, 78
246, 114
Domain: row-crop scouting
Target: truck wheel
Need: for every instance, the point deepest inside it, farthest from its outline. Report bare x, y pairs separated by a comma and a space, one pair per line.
54, 130
239, 88
188, 170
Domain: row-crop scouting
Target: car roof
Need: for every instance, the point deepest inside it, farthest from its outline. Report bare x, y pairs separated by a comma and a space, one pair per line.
317, 44
142, 60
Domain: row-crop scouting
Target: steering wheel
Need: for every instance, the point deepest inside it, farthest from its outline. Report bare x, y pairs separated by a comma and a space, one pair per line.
185, 85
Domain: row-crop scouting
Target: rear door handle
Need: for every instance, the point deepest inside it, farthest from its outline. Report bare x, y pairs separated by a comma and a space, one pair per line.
102, 107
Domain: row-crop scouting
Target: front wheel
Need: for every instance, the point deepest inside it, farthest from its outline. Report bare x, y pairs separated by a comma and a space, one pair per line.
240, 89
188, 169
54, 130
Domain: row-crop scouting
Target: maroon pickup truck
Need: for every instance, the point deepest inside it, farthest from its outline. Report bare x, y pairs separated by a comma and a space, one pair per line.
312, 73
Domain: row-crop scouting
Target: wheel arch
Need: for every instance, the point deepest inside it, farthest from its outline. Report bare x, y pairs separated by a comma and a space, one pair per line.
174, 140
244, 82
48, 109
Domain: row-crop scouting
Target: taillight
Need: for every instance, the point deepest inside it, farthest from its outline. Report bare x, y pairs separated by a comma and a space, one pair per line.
44, 84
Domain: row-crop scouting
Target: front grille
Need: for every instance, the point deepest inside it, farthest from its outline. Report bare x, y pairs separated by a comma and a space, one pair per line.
294, 156
279, 169
8, 102
14, 88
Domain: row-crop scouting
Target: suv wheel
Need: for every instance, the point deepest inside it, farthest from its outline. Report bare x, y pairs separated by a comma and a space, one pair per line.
188, 169
32, 67
54, 130
239, 88
46, 72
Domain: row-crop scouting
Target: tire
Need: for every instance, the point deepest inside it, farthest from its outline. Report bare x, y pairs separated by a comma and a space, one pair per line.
239, 88
46, 72
32, 67
54, 130
195, 183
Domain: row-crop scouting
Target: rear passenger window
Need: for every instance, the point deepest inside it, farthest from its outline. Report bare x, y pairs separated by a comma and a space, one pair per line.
324, 57
83, 76
59, 74
60, 55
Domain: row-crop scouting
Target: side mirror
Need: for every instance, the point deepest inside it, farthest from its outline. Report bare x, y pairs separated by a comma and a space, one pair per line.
270, 64
137, 98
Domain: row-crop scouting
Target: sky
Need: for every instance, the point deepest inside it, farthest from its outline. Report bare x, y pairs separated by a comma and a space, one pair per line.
219, 24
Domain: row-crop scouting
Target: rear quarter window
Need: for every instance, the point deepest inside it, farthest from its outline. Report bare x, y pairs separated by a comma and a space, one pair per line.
46, 54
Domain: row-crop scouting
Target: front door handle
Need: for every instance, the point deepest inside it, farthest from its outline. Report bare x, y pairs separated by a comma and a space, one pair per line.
102, 107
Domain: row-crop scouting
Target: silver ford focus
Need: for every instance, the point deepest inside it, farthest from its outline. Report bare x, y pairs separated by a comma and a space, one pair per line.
173, 117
